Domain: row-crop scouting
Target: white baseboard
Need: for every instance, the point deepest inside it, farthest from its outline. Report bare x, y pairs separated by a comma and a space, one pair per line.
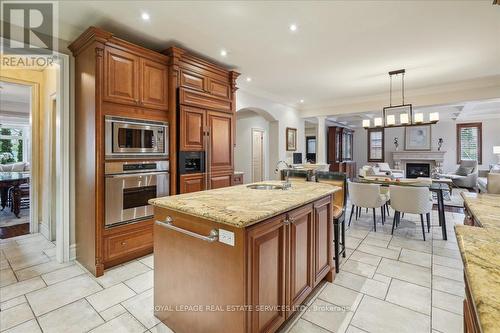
72, 252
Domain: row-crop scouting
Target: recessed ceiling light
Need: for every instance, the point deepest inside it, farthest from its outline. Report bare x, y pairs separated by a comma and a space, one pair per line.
293, 27
249, 79
301, 101
145, 16
223, 53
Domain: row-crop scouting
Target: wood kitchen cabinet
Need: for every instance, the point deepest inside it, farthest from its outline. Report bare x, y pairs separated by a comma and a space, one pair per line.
220, 132
113, 77
192, 182
121, 78
192, 129
269, 269
267, 244
220, 179
290, 255
300, 281
153, 84
322, 237
130, 79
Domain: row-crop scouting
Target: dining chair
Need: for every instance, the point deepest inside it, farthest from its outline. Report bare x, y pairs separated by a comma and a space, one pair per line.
411, 200
367, 196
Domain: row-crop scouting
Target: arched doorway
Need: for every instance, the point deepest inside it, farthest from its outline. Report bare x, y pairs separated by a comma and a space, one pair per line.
255, 155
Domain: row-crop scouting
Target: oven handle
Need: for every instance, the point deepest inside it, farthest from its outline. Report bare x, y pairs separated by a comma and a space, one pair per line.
129, 175
168, 223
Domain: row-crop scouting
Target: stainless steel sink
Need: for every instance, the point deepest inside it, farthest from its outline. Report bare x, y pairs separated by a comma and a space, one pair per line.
265, 187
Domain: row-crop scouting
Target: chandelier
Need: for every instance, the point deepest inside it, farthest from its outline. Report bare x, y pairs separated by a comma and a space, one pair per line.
400, 115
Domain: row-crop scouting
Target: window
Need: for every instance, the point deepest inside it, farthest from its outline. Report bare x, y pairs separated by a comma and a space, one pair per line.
469, 142
375, 145
13, 144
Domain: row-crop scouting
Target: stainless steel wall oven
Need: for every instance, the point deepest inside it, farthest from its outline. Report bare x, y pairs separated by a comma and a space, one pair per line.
129, 186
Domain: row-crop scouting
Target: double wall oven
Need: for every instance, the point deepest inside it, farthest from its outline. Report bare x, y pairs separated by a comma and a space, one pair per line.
130, 182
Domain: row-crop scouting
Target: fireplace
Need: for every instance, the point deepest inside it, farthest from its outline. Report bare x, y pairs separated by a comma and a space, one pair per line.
414, 170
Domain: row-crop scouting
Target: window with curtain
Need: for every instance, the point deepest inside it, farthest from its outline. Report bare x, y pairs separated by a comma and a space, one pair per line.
469, 142
376, 145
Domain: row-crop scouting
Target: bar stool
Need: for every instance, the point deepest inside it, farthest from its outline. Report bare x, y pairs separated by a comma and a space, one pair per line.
339, 206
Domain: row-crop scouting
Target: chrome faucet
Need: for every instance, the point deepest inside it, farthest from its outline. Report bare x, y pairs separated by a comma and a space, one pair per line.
286, 183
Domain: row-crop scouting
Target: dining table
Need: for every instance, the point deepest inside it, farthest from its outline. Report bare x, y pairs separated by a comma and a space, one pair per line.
12, 180
436, 187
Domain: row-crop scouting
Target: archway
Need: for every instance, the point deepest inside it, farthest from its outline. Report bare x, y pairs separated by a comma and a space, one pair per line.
252, 122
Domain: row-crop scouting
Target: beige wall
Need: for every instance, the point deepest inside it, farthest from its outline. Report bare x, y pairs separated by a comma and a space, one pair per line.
46, 83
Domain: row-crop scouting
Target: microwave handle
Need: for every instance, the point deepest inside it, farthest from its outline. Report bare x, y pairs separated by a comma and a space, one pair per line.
206, 143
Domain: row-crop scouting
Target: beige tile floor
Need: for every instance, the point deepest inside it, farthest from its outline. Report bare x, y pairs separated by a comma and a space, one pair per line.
387, 284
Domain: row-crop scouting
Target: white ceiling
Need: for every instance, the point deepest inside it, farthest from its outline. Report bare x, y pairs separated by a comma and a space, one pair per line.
342, 49
465, 111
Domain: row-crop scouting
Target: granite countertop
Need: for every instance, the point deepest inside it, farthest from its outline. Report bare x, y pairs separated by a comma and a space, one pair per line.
240, 206
480, 252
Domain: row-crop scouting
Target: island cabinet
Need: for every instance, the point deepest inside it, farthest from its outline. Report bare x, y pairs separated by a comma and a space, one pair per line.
254, 285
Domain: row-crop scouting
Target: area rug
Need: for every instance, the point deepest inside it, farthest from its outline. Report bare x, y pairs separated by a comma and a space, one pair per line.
455, 200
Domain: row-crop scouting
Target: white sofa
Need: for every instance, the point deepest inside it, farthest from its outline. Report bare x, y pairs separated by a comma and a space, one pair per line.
381, 170
15, 167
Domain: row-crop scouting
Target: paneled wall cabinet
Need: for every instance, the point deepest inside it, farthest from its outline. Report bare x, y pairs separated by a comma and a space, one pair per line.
206, 118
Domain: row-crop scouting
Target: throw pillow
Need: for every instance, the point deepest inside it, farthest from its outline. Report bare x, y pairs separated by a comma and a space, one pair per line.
464, 171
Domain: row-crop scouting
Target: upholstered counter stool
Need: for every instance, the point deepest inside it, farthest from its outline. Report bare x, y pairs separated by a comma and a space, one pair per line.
339, 205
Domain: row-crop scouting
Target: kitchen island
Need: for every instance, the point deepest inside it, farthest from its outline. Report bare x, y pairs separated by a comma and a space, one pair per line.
240, 259
478, 242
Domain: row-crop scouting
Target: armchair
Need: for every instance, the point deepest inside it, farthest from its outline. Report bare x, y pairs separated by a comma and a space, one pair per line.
465, 176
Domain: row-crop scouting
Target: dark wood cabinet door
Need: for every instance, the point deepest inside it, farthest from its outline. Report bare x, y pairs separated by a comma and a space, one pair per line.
323, 239
121, 76
192, 182
266, 274
300, 282
153, 84
219, 180
192, 124
220, 127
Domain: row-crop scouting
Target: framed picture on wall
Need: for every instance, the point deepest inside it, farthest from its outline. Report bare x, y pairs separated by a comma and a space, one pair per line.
291, 139
418, 138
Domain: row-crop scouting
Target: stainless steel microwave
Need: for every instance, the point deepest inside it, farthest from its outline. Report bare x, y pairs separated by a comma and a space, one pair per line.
134, 138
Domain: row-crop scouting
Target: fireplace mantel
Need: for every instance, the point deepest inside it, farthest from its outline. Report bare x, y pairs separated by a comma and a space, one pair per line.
435, 157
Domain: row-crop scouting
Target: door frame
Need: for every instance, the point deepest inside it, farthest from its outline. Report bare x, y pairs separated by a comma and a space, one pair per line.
64, 157
34, 133
263, 162
63, 196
